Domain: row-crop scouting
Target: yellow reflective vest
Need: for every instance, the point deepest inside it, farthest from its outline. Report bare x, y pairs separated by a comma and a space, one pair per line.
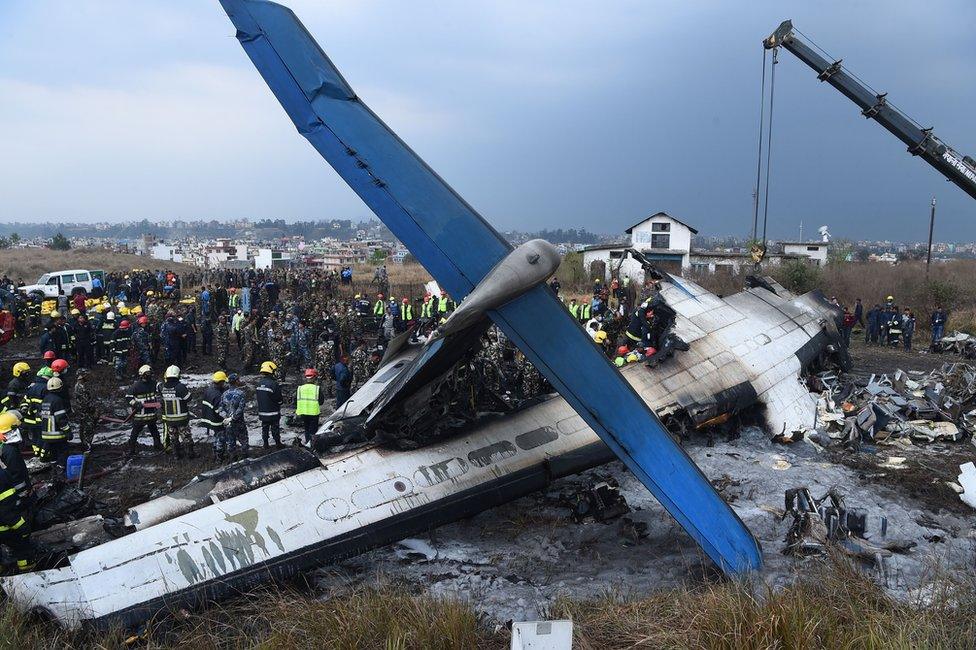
308, 400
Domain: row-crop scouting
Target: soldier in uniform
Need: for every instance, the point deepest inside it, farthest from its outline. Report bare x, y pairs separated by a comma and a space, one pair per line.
248, 334
222, 335
86, 406
359, 366
324, 360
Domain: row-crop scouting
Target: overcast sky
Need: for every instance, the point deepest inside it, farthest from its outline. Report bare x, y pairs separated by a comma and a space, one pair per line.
542, 114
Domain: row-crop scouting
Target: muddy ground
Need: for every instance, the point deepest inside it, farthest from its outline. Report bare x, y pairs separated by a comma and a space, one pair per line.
513, 561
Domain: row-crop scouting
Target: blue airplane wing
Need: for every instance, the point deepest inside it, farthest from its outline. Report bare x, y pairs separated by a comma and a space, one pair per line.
458, 247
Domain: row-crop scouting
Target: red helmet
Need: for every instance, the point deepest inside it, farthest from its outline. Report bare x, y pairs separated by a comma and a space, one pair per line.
649, 351
380, 296
124, 325
311, 373
622, 350
49, 355
143, 320
59, 365
406, 300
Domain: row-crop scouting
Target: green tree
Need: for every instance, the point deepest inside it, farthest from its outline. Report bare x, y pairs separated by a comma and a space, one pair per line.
377, 256
4, 243
799, 276
59, 243
14, 239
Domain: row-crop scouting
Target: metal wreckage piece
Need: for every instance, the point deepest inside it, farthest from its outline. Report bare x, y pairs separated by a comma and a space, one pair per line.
821, 524
293, 510
905, 408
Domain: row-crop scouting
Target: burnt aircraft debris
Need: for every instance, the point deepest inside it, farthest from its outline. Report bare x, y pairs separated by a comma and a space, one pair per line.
819, 524
903, 408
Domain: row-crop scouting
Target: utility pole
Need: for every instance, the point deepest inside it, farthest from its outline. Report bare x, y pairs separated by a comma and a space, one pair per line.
928, 257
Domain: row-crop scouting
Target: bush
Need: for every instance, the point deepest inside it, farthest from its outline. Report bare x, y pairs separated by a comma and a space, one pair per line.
60, 243
799, 277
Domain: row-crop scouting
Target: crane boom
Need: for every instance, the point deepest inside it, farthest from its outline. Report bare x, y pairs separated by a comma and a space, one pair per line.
959, 169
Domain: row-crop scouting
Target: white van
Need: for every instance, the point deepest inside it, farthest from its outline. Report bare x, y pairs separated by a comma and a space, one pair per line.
71, 282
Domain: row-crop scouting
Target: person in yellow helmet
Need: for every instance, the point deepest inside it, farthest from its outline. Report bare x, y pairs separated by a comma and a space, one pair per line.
269, 404
213, 420
14, 491
17, 387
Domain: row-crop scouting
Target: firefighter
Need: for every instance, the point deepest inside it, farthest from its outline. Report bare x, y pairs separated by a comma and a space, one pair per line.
17, 387
31, 409
55, 426
14, 489
269, 404
175, 397
145, 408
209, 415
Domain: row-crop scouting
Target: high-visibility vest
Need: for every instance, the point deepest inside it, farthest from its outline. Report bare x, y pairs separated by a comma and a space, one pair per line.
406, 312
584, 312
442, 304
574, 310
308, 400
427, 309
379, 308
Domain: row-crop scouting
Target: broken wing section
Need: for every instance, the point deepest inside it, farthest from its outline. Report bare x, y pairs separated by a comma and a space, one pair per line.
452, 241
562, 352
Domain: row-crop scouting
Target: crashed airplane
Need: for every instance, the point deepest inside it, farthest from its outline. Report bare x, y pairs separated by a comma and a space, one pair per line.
292, 510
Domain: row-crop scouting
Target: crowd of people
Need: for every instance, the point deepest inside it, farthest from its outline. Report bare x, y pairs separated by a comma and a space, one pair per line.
888, 325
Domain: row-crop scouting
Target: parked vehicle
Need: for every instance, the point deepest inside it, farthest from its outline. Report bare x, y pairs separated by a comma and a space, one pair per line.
71, 282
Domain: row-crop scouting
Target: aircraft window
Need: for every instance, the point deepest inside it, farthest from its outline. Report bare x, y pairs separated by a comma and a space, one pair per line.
492, 453
536, 438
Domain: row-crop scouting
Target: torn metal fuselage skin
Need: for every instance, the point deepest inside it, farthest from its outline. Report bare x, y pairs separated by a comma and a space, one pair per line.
748, 348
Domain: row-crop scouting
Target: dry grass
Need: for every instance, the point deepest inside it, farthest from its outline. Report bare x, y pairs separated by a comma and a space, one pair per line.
31, 263
830, 605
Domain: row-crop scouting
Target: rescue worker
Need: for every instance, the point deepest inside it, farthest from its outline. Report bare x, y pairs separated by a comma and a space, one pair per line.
17, 388
141, 341
209, 415
87, 407
232, 404
222, 335
121, 341
55, 425
14, 485
308, 403
269, 404
11, 458
31, 409
406, 315
343, 379
104, 336
84, 342
175, 397
379, 307
145, 409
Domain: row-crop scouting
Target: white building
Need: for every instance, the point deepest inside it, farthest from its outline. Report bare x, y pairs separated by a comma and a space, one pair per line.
815, 250
166, 253
266, 258
664, 240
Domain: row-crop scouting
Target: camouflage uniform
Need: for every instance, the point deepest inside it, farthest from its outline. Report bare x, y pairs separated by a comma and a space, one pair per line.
278, 352
529, 378
324, 360
247, 351
87, 408
359, 364
222, 338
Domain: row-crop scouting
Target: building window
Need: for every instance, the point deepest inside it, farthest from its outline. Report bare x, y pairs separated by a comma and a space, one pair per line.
813, 249
660, 227
699, 267
660, 241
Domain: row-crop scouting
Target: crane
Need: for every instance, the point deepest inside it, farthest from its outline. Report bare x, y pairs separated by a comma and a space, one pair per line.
956, 167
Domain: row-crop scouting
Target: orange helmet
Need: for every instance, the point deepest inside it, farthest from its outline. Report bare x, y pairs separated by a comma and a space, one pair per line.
49, 355
124, 325
406, 300
311, 373
59, 365
623, 350
143, 320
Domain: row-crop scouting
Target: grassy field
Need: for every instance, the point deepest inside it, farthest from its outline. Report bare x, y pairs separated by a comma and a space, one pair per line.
830, 605
30, 263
